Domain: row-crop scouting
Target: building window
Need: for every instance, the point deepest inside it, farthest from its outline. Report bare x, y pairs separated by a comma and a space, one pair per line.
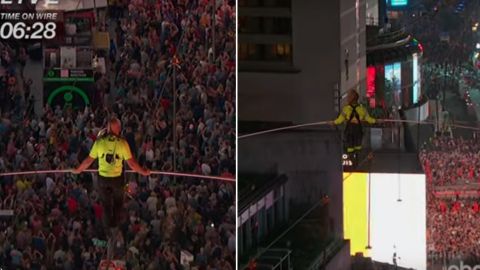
264, 25
265, 33
265, 52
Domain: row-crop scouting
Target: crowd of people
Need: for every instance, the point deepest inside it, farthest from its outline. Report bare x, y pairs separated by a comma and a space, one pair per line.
447, 42
451, 165
448, 161
445, 35
452, 226
174, 90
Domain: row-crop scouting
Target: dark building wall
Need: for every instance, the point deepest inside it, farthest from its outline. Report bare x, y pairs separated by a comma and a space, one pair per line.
352, 38
306, 92
311, 160
342, 260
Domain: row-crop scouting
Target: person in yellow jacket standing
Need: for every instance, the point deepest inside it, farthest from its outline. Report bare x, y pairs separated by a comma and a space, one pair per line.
111, 150
353, 114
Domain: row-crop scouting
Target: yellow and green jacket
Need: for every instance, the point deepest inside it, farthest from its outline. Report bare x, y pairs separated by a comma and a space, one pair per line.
116, 146
347, 112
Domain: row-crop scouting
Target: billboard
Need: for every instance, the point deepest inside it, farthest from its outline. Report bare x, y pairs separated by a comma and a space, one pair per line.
393, 83
393, 74
385, 214
397, 3
355, 212
371, 76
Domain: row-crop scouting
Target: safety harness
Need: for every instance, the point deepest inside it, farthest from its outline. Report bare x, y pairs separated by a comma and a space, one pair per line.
354, 114
349, 124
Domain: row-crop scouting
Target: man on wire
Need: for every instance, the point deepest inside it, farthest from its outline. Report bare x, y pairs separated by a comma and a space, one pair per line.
111, 150
353, 114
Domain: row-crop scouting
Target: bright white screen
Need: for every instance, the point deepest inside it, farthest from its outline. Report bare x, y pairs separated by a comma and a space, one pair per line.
400, 224
393, 72
416, 79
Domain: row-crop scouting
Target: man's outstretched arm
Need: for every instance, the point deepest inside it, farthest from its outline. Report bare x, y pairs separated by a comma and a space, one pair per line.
84, 165
133, 164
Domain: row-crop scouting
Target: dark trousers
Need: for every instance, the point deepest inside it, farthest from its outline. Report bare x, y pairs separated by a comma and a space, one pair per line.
353, 137
111, 194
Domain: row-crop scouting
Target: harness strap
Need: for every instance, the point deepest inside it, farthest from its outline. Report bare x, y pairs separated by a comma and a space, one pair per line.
354, 114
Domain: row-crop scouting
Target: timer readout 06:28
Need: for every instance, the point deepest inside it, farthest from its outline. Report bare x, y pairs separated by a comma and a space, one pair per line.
20, 30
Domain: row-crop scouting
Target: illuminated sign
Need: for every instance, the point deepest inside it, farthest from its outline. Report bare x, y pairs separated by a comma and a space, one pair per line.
355, 212
416, 79
393, 73
68, 96
371, 73
398, 3
393, 82
68, 75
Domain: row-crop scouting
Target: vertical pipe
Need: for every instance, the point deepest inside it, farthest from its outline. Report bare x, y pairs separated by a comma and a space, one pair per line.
214, 9
95, 11
369, 200
400, 135
436, 115
418, 127
174, 124
444, 84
